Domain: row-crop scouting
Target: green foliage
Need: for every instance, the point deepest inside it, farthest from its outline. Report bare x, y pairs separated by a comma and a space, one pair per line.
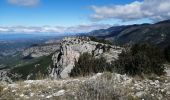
167, 53
37, 68
140, 59
11, 60
100, 40
105, 48
87, 65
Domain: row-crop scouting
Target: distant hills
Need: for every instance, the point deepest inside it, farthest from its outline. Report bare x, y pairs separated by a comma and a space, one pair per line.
12, 46
157, 34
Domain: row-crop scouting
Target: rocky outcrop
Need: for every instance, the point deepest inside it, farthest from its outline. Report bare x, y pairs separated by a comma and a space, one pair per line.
42, 50
72, 48
6, 76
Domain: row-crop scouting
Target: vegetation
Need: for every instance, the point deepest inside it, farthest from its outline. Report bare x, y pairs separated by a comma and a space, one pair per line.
11, 60
167, 53
104, 47
140, 59
87, 65
100, 89
100, 40
38, 69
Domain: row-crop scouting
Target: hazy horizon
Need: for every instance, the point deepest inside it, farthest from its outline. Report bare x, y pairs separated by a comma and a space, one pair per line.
63, 16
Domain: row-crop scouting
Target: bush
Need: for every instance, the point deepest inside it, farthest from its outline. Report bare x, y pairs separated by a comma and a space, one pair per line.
140, 59
87, 65
167, 53
100, 40
99, 89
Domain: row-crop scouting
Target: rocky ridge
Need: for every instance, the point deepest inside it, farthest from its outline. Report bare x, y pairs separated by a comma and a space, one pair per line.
42, 50
72, 48
61, 58
156, 34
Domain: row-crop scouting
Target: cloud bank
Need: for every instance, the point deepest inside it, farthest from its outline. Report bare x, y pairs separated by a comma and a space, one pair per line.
155, 10
24, 2
50, 29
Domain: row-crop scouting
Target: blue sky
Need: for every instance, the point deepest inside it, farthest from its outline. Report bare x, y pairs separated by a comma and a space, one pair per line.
51, 12
74, 14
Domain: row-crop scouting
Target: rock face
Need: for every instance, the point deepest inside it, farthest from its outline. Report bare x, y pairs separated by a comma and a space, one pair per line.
39, 51
6, 76
72, 48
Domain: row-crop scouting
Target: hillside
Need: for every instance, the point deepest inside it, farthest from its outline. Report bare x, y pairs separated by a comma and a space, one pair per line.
157, 34
13, 45
36, 80
57, 60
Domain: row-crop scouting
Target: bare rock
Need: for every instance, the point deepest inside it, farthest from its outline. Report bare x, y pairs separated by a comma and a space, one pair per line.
42, 50
72, 48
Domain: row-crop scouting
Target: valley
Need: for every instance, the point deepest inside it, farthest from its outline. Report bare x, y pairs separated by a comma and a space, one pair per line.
106, 57
12, 47
85, 50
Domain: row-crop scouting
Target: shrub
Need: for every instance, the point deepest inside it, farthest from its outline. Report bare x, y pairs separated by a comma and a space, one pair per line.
100, 89
140, 59
100, 40
87, 65
167, 53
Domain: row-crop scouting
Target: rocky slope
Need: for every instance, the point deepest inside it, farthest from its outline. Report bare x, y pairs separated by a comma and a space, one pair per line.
42, 50
72, 48
102, 86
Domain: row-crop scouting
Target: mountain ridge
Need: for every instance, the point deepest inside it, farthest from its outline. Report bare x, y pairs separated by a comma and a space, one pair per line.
157, 34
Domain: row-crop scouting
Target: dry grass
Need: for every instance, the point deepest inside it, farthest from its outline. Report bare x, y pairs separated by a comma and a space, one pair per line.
1, 89
104, 86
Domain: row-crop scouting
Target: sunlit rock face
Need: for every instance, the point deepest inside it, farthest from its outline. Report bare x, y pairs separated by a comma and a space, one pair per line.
72, 48
42, 50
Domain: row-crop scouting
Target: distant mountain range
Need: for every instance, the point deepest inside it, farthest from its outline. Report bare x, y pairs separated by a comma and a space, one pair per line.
158, 33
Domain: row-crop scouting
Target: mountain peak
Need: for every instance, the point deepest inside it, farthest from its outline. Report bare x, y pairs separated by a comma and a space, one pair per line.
164, 22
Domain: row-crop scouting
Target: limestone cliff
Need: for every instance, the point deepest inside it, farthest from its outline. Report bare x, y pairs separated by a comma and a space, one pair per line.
72, 48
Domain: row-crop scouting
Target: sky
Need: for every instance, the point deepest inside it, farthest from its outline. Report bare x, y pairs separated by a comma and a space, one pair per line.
76, 16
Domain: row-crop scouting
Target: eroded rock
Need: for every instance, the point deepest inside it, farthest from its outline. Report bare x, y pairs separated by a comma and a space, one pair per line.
72, 48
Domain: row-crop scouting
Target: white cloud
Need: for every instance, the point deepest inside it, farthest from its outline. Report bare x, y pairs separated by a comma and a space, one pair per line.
87, 28
50, 29
24, 2
155, 10
3, 29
